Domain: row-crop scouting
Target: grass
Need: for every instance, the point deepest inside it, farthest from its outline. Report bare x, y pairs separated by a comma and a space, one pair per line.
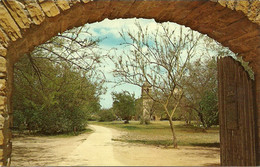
159, 134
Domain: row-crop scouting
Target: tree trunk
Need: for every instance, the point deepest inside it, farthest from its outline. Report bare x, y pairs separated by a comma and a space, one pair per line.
173, 133
202, 119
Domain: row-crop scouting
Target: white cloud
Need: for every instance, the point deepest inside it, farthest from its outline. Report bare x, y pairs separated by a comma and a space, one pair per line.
115, 26
111, 28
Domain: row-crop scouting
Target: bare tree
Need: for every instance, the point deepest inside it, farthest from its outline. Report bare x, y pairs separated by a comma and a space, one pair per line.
78, 48
158, 58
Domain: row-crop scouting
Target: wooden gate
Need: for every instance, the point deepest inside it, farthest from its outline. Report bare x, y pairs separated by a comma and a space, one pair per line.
237, 116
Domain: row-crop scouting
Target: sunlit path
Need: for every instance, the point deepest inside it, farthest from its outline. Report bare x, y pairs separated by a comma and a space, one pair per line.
100, 150
96, 150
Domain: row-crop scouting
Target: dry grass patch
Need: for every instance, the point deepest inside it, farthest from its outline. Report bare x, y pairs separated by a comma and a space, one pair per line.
158, 133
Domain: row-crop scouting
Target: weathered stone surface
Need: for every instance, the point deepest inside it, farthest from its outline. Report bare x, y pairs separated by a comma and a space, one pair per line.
35, 11
254, 12
17, 11
231, 4
2, 64
4, 39
75, 1
49, 8
5, 134
2, 84
86, 1
3, 51
2, 74
3, 110
8, 24
2, 122
222, 2
3, 100
3, 93
251, 8
242, 6
1, 150
64, 5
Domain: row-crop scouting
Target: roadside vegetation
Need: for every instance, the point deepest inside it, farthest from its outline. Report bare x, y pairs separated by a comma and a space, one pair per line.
158, 133
57, 86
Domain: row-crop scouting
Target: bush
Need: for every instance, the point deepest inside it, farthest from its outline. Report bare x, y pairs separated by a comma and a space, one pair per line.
106, 115
57, 103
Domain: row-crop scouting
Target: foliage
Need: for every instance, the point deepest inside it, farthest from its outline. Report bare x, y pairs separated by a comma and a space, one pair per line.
106, 115
209, 109
201, 88
58, 103
124, 105
159, 59
54, 87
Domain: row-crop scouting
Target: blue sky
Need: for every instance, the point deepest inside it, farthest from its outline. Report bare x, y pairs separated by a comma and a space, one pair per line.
109, 30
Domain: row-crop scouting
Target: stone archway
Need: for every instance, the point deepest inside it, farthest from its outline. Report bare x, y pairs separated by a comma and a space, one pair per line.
26, 24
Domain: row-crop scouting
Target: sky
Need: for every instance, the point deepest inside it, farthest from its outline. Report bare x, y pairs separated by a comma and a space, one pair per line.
109, 31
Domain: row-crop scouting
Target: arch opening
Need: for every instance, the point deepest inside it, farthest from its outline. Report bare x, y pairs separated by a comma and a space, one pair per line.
237, 32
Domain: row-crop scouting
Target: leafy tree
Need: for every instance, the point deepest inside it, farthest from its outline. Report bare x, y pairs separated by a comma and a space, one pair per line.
58, 103
201, 88
209, 109
138, 108
106, 115
160, 59
124, 105
58, 84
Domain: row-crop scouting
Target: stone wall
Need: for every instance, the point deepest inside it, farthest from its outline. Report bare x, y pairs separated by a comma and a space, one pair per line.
25, 24
249, 8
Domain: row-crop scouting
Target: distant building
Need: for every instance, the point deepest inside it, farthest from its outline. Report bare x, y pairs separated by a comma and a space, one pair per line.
146, 103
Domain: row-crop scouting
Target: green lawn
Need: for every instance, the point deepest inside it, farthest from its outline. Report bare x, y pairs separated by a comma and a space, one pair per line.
159, 134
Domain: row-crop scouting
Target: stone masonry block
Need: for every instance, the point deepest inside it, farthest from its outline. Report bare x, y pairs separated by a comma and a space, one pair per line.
86, 1
222, 2
231, 4
3, 110
242, 5
2, 84
75, 1
5, 135
35, 11
4, 39
64, 5
9, 25
16, 9
49, 8
2, 123
3, 100
3, 51
2, 64
2, 75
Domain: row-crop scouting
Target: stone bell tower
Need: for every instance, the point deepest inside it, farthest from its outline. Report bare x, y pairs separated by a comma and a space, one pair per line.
146, 103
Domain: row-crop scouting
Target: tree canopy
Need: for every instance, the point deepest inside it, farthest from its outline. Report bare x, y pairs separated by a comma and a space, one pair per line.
124, 105
58, 85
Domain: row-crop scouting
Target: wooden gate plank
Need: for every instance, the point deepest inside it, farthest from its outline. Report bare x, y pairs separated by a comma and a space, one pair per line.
236, 113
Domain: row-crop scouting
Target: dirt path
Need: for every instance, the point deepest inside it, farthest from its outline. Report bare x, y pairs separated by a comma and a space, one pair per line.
97, 149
